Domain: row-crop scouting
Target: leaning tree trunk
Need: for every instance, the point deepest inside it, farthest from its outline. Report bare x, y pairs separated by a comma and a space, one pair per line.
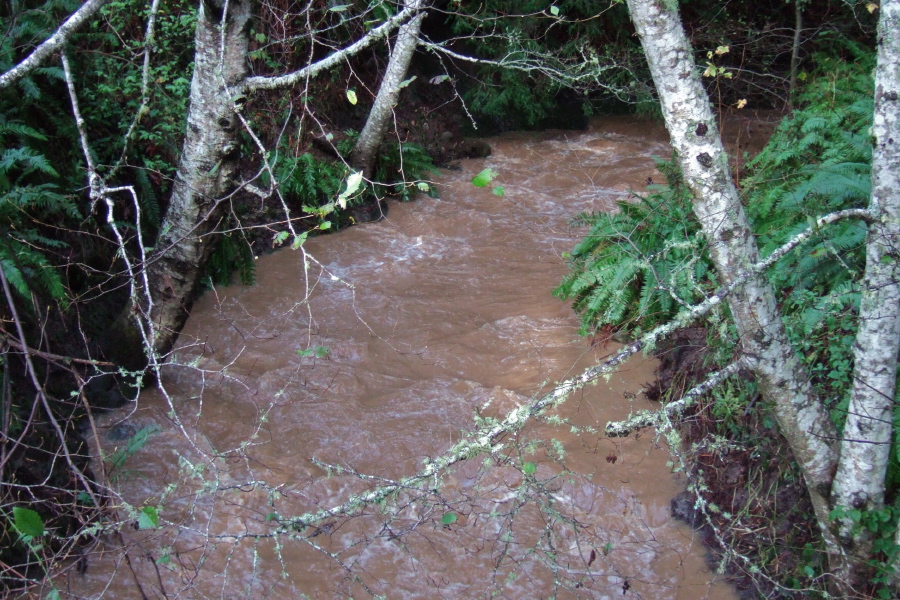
362, 158
207, 170
866, 441
694, 135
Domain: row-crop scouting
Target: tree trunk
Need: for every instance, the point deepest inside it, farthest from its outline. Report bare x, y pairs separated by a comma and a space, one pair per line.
866, 441
206, 171
692, 127
795, 50
362, 158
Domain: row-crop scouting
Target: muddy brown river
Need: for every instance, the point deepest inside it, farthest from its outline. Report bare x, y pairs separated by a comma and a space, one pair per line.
439, 314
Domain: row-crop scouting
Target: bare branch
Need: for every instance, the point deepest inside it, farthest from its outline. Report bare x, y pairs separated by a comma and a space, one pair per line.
655, 418
488, 438
149, 41
57, 358
272, 83
586, 71
53, 43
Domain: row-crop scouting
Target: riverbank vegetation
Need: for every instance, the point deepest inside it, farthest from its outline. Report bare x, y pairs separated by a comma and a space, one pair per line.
153, 149
637, 267
651, 253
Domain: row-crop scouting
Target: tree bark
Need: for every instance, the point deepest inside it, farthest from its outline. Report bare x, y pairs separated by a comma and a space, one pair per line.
692, 127
362, 158
795, 50
866, 441
207, 170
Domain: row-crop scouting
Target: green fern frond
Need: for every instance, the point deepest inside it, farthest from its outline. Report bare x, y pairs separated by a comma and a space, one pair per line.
618, 269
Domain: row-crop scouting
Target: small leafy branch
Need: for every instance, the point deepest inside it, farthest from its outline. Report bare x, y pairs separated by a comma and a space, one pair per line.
484, 179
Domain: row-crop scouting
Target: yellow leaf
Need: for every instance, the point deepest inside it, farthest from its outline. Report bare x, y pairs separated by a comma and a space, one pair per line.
871, 7
741, 103
351, 96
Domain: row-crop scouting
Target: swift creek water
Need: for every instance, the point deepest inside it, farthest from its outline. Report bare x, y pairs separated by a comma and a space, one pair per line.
437, 312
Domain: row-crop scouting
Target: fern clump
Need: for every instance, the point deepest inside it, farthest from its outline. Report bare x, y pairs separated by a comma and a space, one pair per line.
404, 169
27, 200
817, 162
638, 266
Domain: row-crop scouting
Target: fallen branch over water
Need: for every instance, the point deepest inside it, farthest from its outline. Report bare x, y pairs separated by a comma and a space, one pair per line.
488, 438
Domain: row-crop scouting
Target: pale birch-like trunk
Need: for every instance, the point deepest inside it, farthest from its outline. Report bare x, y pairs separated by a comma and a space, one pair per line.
207, 172
694, 135
362, 158
866, 441
207, 169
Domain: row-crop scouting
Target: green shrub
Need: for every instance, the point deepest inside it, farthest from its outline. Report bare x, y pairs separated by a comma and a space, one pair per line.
817, 162
28, 198
402, 169
638, 266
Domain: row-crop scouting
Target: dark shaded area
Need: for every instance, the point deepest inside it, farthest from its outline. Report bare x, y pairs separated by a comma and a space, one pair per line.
741, 469
37, 475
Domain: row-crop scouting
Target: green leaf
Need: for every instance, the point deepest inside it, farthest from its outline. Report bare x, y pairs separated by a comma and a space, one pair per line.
406, 82
448, 519
148, 518
28, 522
318, 352
134, 443
271, 516
53, 594
164, 559
351, 96
340, 8
261, 37
499, 191
484, 178
299, 239
423, 187
280, 238
353, 183
529, 468
325, 226
554, 10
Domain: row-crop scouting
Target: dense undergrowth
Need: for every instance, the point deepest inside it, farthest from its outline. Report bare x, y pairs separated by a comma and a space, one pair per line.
66, 271
637, 267
63, 266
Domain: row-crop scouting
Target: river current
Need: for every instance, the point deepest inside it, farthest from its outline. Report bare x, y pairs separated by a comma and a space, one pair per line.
412, 327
